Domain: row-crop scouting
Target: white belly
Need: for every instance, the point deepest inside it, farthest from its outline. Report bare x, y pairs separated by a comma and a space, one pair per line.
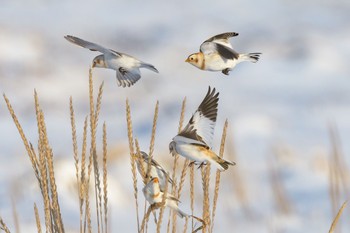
217, 63
190, 152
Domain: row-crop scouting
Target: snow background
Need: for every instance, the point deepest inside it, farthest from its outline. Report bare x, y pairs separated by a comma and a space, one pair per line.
284, 102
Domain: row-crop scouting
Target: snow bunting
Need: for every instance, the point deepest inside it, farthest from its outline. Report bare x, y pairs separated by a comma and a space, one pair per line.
127, 67
156, 170
217, 54
193, 142
154, 195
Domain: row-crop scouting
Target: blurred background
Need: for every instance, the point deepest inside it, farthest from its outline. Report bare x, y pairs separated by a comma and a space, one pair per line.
288, 114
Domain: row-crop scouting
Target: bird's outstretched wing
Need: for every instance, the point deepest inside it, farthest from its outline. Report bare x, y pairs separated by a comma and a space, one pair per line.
200, 128
222, 38
220, 44
89, 45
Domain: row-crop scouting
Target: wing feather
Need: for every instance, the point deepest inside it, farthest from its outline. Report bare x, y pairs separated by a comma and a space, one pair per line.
128, 78
89, 45
222, 38
200, 128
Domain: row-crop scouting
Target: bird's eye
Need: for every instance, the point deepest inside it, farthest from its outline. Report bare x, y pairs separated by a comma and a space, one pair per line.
191, 58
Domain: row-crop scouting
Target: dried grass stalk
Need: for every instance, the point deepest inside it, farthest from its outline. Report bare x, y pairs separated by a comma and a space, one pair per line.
15, 215
218, 175
76, 161
176, 158
132, 160
44, 176
161, 212
28, 146
83, 185
3, 226
37, 218
205, 171
105, 197
279, 191
336, 219
53, 188
154, 127
192, 195
182, 177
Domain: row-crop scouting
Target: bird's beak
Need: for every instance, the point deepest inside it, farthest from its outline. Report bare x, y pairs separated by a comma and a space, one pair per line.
187, 60
93, 65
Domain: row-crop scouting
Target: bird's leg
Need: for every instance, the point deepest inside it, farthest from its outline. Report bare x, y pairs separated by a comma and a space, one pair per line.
201, 165
191, 163
226, 71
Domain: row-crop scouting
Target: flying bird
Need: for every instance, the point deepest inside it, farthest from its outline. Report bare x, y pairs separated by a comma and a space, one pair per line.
217, 54
156, 170
194, 141
127, 67
154, 195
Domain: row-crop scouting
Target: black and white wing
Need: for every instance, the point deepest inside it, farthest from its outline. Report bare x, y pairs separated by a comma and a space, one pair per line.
200, 128
156, 165
128, 77
220, 44
91, 46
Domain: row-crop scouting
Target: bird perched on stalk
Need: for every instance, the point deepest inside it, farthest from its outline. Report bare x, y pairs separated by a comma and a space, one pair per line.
156, 170
154, 195
217, 54
193, 142
127, 67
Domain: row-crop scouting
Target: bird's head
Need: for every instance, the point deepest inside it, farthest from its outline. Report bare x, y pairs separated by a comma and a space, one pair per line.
155, 179
195, 59
99, 62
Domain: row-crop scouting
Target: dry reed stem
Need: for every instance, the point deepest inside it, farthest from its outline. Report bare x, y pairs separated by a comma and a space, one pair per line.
98, 192
280, 194
146, 216
53, 187
138, 157
35, 165
334, 191
154, 127
3, 226
240, 188
185, 226
182, 178
76, 161
87, 202
132, 160
82, 183
87, 213
176, 158
37, 218
105, 197
205, 171
161, 212
336, 219
15, 215
338, 168
29, 148
340, 159
192, 195
218, 176
44, 178
98, 103
93, 125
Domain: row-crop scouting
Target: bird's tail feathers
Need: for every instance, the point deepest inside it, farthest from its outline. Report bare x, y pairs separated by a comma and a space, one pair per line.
222, 164
252, 57
175, 208
149, 66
